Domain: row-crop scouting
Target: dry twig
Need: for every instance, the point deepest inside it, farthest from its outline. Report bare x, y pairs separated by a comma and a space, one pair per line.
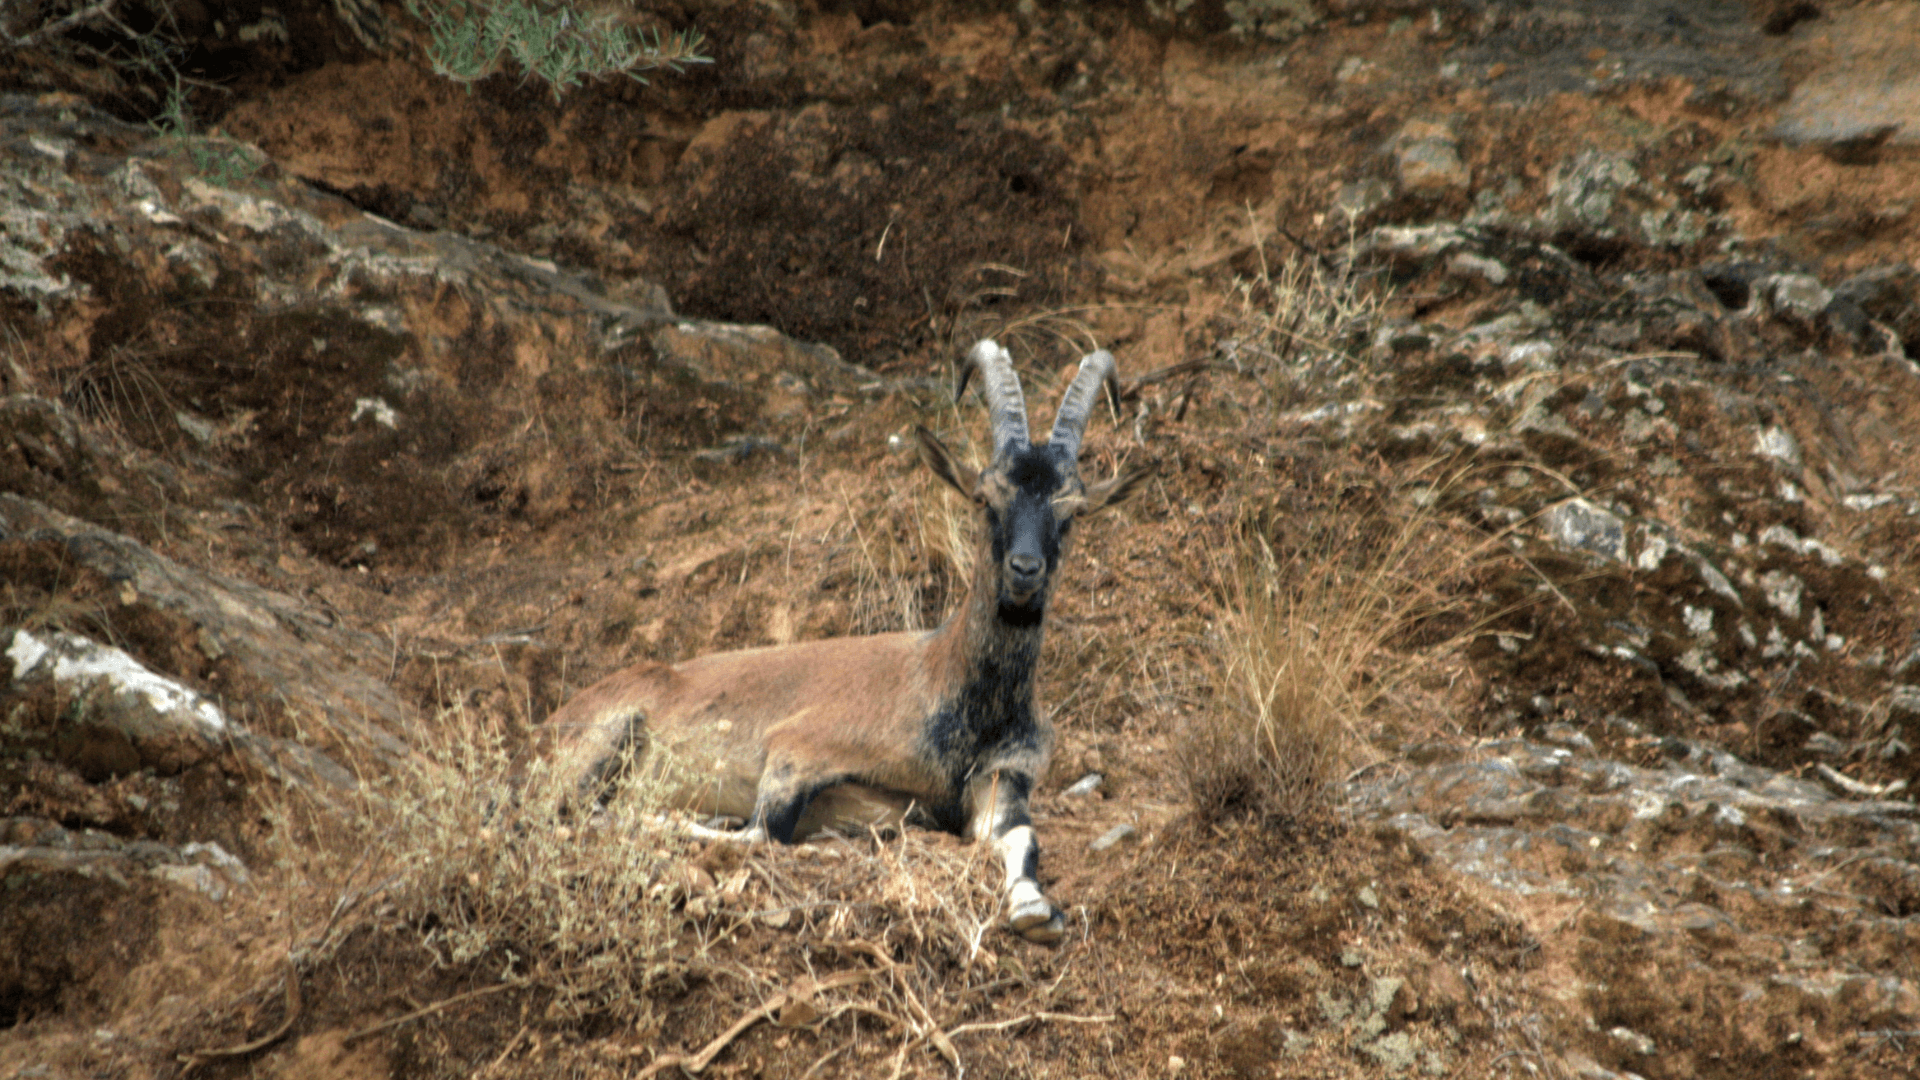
1002, 1025
425, 1010
693, 1064
61, 25
199, 1057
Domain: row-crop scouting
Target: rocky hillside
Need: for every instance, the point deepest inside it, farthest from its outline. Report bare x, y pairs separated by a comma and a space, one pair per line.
347, 431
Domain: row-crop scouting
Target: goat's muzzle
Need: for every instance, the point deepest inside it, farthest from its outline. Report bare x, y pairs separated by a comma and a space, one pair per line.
1026, 577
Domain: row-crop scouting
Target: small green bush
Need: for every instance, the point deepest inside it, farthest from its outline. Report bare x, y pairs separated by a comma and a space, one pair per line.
557, 43
221, 161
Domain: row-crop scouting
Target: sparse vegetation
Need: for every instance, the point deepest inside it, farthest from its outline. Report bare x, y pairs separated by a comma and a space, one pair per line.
1305, 654
1300, 318
559, 43
1300, 661
1380, 716
223, 162
884, 592
39, 592
518, 891
582, 920
122, 386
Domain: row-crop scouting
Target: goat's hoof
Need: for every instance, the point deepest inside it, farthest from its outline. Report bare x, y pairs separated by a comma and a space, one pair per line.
1038, 921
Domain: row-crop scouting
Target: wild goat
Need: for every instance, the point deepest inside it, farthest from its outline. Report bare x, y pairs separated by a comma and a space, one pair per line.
942, 727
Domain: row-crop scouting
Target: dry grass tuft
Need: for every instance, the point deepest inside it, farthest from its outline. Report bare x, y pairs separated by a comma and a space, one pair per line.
1299, 319
901, 969
36, 595
948, 521
886, 578
1306, 653
908, 557
1299, 659
122, 389
519, 891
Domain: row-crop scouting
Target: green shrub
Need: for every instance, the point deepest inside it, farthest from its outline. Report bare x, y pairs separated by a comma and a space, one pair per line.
558, 43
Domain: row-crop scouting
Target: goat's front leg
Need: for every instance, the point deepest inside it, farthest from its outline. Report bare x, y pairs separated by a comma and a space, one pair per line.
1000, 812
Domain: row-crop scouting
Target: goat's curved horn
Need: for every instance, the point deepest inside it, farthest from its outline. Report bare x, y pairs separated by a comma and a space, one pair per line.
1096, 370
1006, 408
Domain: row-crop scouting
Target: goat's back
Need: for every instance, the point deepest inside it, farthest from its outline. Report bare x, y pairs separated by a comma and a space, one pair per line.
857, 702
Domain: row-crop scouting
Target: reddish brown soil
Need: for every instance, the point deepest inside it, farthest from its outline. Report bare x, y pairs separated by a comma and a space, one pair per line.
893, 187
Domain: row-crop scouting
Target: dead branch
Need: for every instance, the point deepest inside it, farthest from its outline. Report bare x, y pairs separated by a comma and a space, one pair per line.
425, 1010
694, 1063
60, 26
293, 1013
932, 1028
1001, 1025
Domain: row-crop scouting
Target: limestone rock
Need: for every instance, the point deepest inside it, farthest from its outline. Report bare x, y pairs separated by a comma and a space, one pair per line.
1428, 160
267, 636
1577, 523
1866, 89
141, 719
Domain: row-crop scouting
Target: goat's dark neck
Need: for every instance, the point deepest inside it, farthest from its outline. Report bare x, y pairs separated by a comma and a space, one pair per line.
989, 657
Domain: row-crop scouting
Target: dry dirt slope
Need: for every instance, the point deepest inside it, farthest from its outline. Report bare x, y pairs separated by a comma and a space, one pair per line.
365, 484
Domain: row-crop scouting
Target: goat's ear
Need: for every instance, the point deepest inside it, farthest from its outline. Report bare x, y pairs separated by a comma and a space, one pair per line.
1108, 492
944, 464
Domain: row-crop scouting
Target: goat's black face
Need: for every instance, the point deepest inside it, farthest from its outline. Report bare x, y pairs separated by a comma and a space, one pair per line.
1029, 499
1029, 502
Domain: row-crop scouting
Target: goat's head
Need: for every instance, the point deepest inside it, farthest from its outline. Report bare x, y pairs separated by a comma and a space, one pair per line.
1029, 495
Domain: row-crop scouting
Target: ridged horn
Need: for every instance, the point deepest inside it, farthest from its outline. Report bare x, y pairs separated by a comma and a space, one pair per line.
1096, 370
1006, 408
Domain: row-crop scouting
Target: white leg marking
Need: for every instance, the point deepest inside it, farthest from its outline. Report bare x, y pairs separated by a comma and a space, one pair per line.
1025, 893
1029, 912
1015, 846
700, 831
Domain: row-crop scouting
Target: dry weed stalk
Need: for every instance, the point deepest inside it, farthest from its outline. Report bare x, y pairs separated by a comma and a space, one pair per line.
123, 390
1299, 319
886, 595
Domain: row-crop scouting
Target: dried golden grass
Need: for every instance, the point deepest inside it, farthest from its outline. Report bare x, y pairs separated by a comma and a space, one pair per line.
509, 886
1306, 652
905, 556
947, 521
885, 592
1298, 319
1301, 659
892, 962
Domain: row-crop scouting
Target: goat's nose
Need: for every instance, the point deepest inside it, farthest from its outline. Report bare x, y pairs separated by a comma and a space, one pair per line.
1025, 565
